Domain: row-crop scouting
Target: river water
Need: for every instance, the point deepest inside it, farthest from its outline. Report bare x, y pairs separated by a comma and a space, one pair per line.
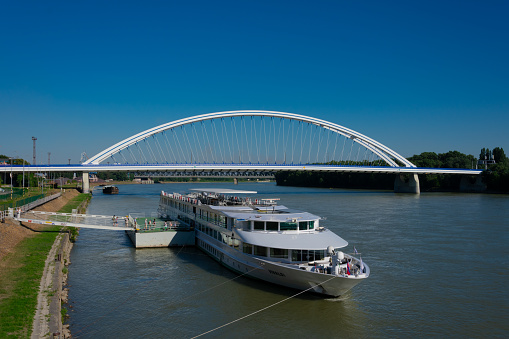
439, 266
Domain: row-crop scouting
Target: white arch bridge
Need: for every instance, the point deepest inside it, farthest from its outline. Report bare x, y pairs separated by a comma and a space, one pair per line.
248, 142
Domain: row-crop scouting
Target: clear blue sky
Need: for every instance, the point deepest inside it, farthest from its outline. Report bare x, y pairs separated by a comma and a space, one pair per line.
415, 75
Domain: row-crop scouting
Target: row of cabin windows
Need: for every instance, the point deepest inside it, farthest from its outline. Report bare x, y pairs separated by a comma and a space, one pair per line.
216, 219
262, 251
209, 248
179, 206
220, 220
222, 237
283, 226
296, 255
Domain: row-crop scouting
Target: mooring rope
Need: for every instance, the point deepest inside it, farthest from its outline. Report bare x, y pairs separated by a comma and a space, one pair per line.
260, 310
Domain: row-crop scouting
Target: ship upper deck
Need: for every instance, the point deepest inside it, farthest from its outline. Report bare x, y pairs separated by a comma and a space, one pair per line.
241, 207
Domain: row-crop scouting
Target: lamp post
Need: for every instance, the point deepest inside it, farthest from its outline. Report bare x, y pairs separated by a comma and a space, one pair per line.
11, 177
33, 161
23, 176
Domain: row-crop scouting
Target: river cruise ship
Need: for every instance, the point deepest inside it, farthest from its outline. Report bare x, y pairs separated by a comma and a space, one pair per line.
264, 240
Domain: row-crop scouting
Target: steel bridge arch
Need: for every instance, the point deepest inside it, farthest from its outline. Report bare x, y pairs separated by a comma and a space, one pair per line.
379, 149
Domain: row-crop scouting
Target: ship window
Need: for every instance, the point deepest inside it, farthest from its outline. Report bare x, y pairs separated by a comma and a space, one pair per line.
271, 226
302, 255
288, 226
296, 255
303, 225
311, 224
259, 225
307, 255
318, 255
247, 248
260, 251
278, 253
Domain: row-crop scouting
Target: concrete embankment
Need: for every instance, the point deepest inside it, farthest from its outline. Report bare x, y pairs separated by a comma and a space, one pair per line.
48, 316
52, 292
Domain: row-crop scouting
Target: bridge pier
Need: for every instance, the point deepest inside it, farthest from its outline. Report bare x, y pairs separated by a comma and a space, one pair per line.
86, 183
235, 181
407, 183
470, 183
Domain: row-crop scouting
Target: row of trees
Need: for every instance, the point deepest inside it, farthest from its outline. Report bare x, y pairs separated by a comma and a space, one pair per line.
496, 177
17, 179
442, 182
117, 176
497, 155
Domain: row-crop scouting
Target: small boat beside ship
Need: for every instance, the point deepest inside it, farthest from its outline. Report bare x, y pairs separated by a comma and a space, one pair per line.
110, 189
266, 241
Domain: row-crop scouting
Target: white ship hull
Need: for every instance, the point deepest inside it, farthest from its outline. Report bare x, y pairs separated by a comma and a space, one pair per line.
278, 273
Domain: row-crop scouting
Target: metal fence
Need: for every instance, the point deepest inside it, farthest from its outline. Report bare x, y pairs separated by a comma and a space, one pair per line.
4, 205
6, 193
27, 203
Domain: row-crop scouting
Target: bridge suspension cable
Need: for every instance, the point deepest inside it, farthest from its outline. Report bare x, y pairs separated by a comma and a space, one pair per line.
250, 137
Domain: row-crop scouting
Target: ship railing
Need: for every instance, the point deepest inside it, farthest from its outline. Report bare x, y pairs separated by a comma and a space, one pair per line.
160, 226
214, 221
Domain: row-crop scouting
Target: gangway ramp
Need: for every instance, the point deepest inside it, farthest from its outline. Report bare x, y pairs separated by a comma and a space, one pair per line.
102, 222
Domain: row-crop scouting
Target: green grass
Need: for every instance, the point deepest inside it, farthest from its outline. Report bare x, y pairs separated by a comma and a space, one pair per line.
20, 285
75, 202
63, 312
19, 282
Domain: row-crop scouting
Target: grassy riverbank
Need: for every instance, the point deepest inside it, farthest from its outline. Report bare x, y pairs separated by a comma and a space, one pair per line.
20, 284
21, 272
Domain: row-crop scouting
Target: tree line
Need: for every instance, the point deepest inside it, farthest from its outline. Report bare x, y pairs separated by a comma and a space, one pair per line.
496, 176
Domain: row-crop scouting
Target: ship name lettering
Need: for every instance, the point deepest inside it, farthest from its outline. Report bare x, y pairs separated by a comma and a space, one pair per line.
277, 273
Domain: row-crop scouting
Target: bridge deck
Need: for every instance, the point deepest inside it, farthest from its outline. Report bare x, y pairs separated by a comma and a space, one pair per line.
102, 222
236, 169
